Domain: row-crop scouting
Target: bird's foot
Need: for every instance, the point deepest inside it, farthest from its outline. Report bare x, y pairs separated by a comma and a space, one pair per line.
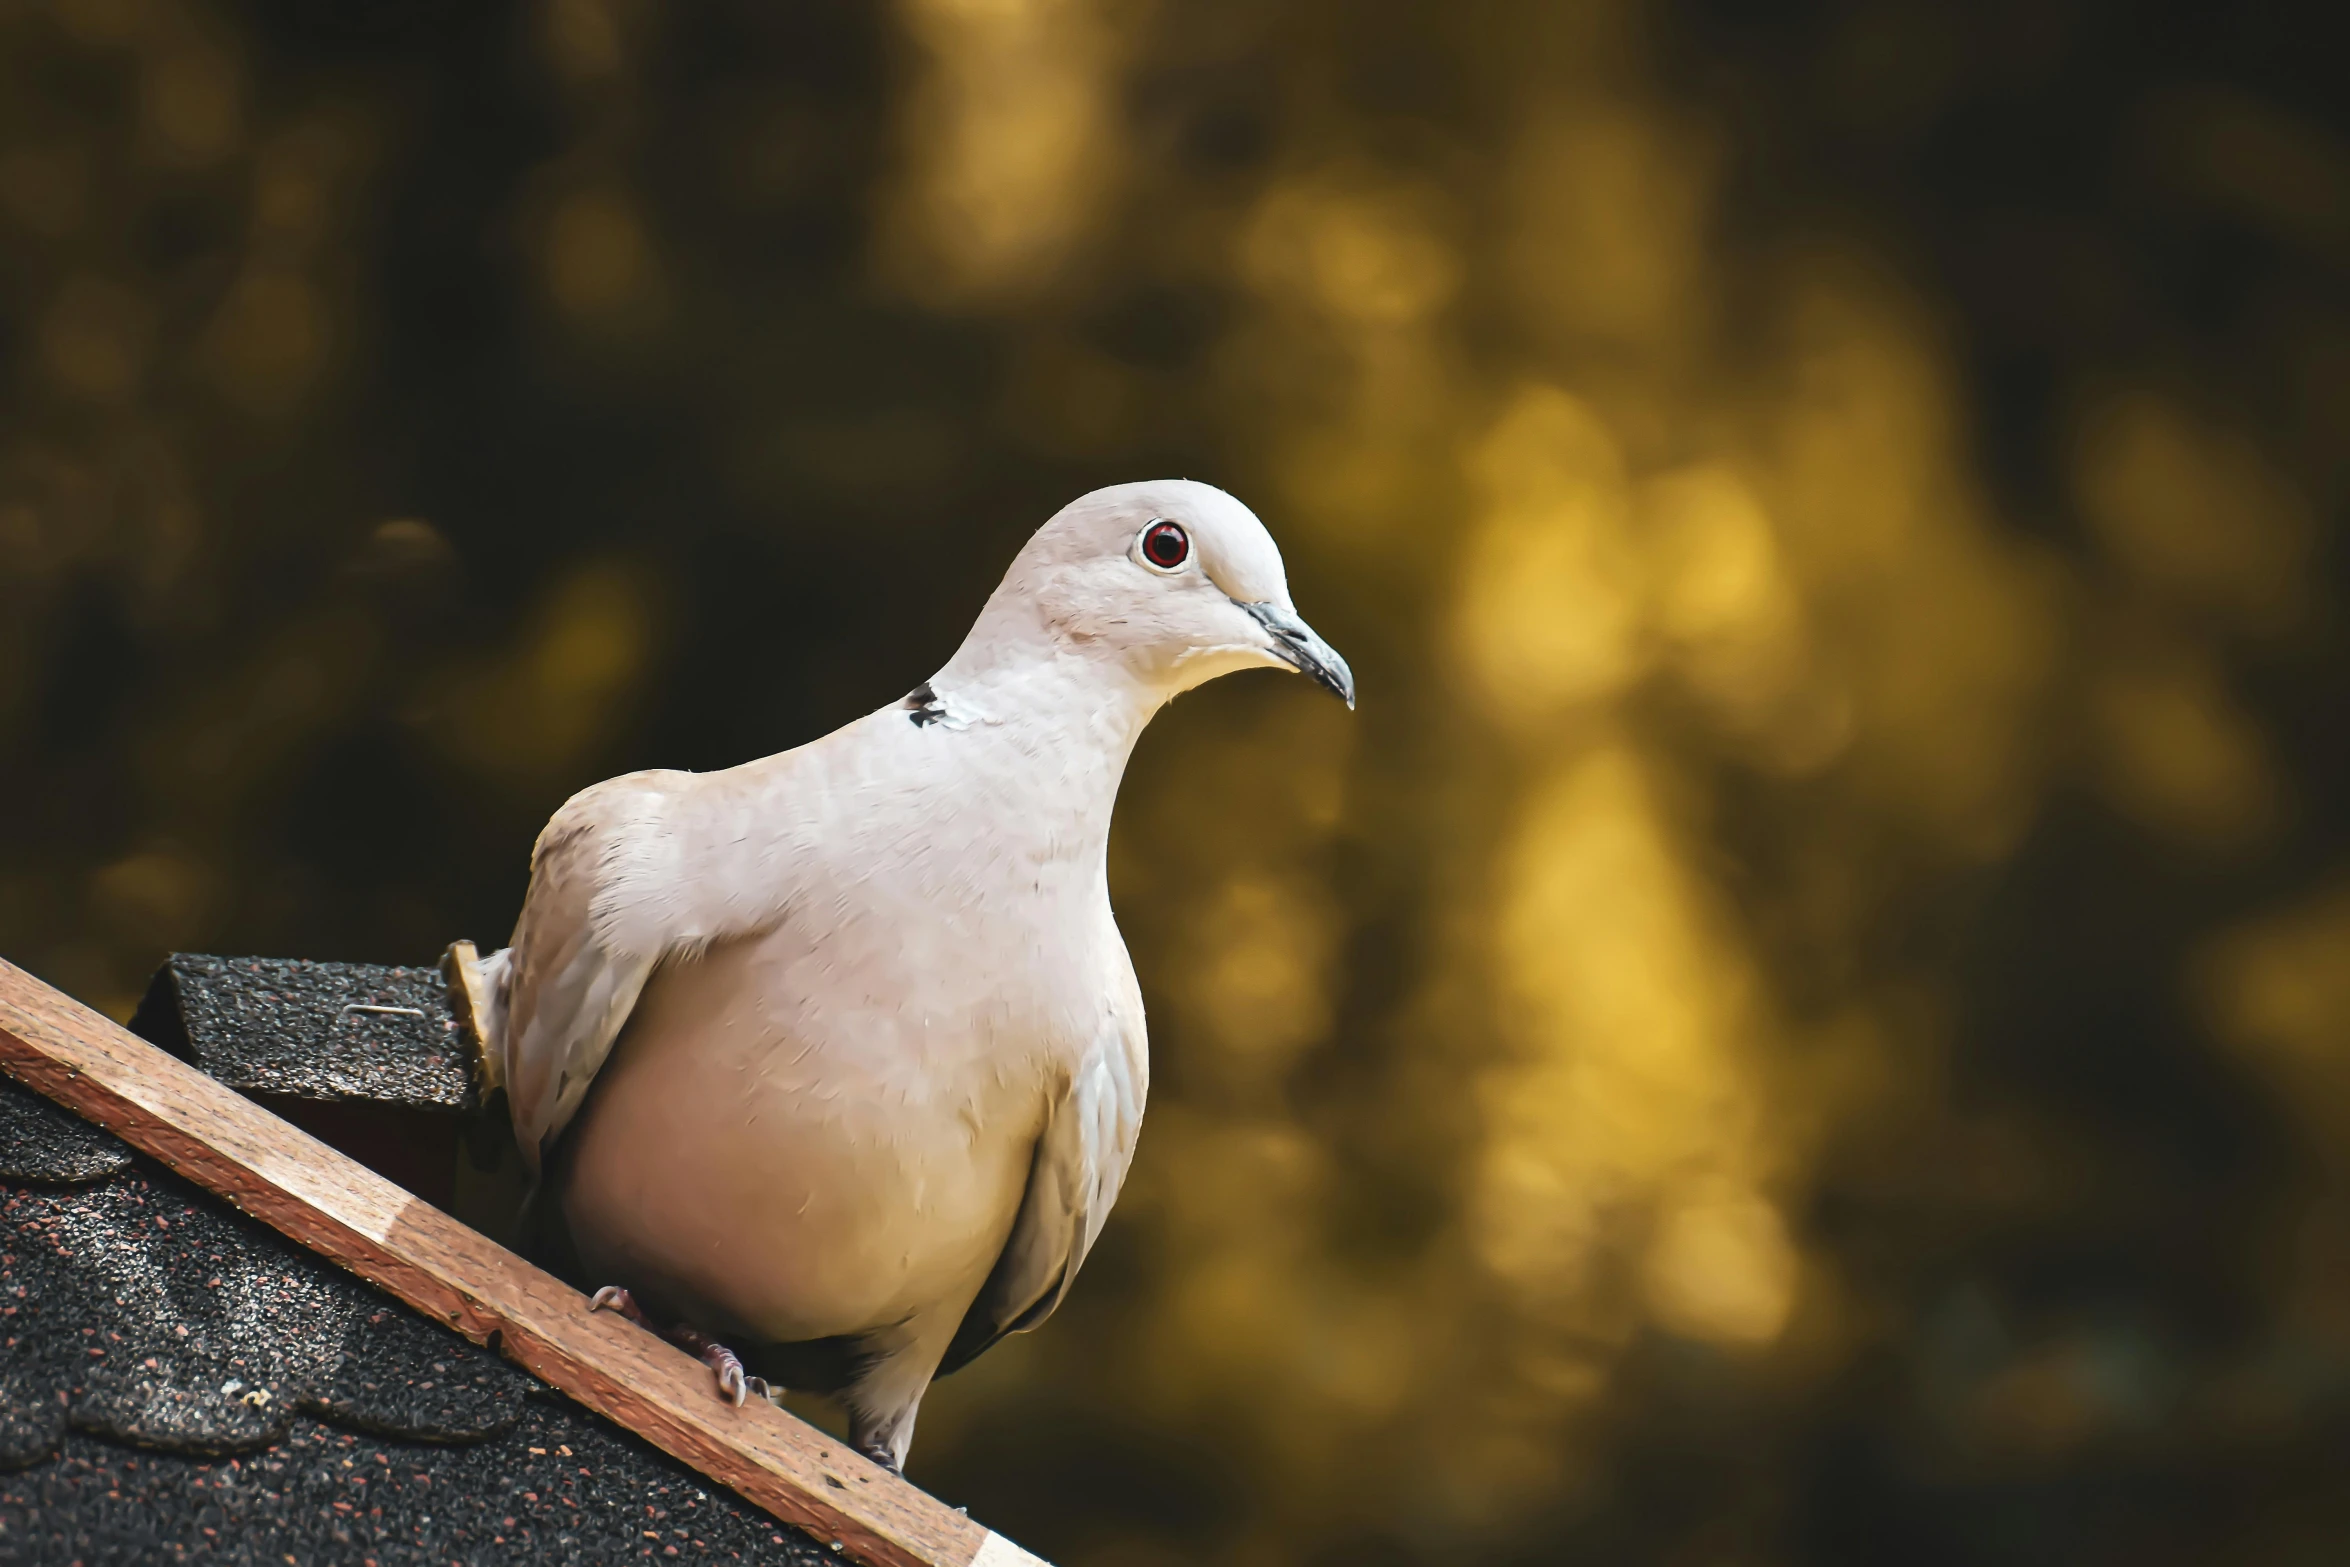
735, 1385
613, 1298
883, 1454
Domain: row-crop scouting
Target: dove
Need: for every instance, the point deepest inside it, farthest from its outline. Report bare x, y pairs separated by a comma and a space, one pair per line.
829, 1066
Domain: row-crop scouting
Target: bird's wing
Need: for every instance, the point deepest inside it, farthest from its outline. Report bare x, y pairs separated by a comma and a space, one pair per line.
607, 903
1080, 1162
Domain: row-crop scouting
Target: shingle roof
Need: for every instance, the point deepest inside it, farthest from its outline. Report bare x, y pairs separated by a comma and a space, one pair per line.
370, 1193
179, 1381
295, 1029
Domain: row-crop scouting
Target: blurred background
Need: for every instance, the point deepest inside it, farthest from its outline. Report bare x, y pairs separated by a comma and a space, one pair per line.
1807, 1019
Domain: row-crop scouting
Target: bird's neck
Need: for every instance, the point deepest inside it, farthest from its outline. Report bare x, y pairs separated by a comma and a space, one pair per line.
1052, 723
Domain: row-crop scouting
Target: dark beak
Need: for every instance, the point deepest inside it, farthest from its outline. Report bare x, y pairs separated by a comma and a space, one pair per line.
1295, 641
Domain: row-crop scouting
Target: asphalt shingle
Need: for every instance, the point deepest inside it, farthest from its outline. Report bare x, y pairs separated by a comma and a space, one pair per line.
179, 1382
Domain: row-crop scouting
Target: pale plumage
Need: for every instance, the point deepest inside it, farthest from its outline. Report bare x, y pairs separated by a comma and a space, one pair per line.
837, 1055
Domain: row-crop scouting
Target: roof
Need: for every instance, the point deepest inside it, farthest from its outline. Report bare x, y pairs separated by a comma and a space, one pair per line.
177, 1379
328, 1032
221, 1337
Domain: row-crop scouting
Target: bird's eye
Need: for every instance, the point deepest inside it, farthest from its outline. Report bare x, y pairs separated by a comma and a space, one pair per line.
1165, 545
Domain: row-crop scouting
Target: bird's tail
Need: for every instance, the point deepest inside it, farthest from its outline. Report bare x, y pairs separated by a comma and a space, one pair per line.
478, 988
496, 1190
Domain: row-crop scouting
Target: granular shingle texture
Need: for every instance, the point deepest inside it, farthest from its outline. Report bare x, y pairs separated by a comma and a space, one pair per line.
325, 1031
41, 1142
179, 1382
560, 1487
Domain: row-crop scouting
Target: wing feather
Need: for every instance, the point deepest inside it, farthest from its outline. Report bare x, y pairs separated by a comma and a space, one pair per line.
583, 948
1074, 1177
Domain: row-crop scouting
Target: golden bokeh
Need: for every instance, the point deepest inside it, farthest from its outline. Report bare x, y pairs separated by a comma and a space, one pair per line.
1805, 1018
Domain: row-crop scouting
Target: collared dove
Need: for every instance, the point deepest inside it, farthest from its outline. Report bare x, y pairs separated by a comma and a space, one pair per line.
834, 1061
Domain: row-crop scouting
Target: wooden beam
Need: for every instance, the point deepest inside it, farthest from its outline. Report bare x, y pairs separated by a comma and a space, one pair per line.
340, 1209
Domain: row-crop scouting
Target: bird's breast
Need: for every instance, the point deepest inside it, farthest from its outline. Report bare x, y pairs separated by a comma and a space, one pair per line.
827, 1127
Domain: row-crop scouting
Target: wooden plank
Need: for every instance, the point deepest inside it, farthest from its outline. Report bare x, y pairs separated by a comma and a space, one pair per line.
340, 1209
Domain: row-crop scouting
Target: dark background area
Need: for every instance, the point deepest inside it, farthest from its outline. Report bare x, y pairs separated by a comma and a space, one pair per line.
1807, 1018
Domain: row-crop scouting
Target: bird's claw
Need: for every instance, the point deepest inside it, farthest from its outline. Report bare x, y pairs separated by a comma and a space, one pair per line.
614, 1299
735, 1385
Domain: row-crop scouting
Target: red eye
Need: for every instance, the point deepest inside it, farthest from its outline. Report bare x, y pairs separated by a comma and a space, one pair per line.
1165, 546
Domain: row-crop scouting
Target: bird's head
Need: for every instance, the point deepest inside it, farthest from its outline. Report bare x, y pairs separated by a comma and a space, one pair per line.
1175, 580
